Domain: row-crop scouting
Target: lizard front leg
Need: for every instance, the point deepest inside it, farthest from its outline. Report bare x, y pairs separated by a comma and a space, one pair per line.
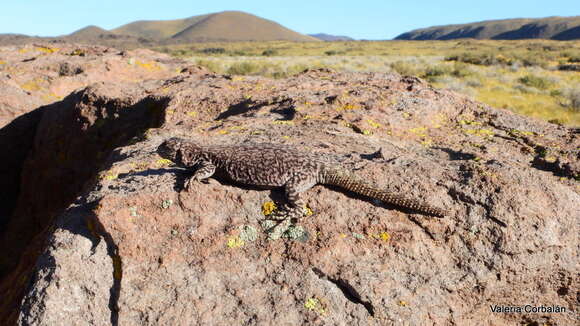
206, 169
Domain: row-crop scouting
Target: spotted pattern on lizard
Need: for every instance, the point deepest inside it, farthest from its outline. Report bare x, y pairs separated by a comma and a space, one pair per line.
269, 165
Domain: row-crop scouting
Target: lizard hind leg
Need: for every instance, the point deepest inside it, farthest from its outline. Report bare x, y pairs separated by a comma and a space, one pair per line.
295, 209
294, 188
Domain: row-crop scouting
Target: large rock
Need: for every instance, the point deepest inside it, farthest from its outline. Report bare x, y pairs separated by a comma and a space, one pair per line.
127, 247
39, 74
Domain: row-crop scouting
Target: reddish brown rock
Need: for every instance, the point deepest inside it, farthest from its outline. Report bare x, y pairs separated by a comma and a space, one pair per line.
40, 74
132, 249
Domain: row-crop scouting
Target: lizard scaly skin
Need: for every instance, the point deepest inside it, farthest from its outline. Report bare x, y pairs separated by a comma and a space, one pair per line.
270, 165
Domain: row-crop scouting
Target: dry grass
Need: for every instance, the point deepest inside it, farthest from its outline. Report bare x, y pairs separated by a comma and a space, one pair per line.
522, 76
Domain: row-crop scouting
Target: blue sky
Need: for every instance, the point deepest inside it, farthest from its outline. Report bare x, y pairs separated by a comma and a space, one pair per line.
362, 19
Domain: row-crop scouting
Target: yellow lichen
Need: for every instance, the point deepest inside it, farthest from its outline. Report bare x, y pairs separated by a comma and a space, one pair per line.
309, 211
46, 50
78, 52
192, 114
223, 132
2, 62
148, 65
235, 242
32, 85
241, 128
427, 142
384, 236
469, 123
480, 132
403, 303
268, 208
347, 106
163, 162
283, 122
373, 124
314, 304
111, 176
419, 131
51, 97
516, 132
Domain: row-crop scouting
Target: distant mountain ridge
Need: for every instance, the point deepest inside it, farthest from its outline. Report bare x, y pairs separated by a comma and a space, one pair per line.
329, 37
221, 26
215, 27
555, 28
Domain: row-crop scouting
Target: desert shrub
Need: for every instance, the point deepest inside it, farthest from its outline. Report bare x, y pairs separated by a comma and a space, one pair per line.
405, 68
239, 53
566, 67
482, 59
473, 82
209, 64
213, 50
526, 89
461, 70
331, 52
435, 71
556, 93
269, 52
572, 97
296, 68
180, 53
243, 68
164, 49
535, 81
572, 57
534, 59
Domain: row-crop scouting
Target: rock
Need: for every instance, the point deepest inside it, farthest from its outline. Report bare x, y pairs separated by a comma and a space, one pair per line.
127, 247
40, 74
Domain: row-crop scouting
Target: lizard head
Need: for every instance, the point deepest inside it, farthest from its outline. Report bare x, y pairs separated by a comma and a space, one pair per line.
171, 150
183, 152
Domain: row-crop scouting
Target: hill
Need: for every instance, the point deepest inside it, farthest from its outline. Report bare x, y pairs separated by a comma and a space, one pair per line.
558, 28
90, 31
221, 26
329, 37
157, 29
228, 26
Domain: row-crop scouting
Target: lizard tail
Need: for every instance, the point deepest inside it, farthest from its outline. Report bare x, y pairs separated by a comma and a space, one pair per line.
350, 182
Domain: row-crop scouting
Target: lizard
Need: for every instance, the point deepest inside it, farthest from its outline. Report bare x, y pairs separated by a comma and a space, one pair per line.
269, 165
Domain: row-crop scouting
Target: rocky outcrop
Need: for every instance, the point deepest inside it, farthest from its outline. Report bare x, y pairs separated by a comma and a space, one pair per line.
122, 245
39, 74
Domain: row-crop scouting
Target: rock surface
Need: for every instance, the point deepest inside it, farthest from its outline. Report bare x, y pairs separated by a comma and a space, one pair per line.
122, 245
38, 74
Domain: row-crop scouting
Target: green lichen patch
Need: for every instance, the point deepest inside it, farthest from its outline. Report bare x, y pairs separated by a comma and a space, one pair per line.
166, 203
248, 233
